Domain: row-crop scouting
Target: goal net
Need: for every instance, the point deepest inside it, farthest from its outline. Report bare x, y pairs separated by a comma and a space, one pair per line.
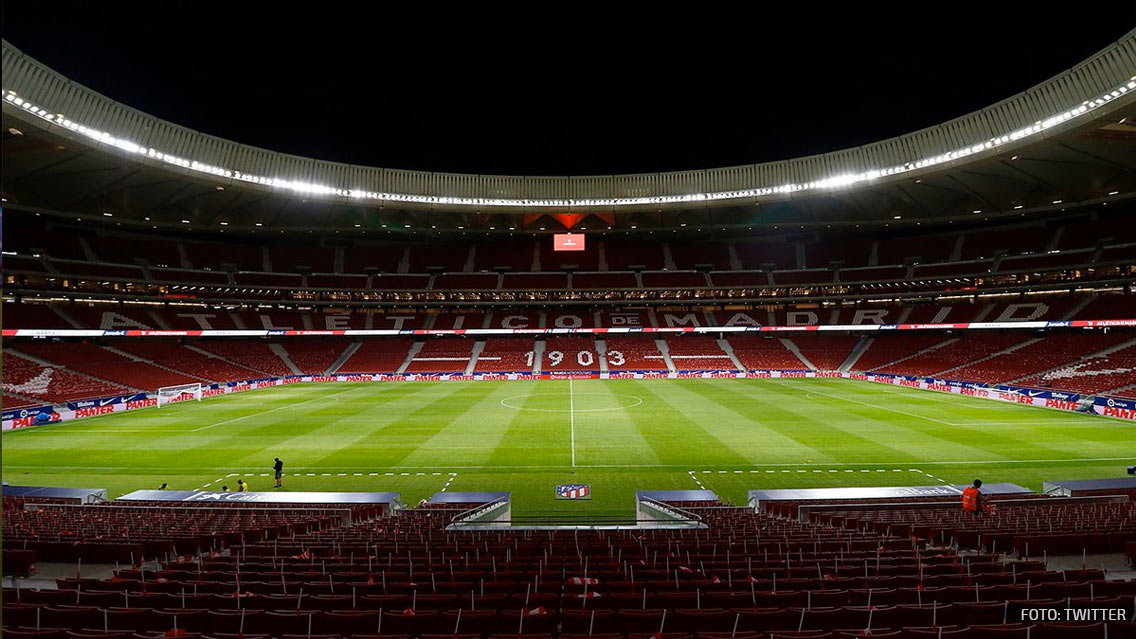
184, 392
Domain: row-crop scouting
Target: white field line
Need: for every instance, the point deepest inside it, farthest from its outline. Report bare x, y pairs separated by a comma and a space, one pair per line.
1075, 460
273, 410
449, 481
572, 420
890, 410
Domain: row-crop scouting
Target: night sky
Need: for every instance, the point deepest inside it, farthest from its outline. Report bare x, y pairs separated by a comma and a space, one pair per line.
574, 89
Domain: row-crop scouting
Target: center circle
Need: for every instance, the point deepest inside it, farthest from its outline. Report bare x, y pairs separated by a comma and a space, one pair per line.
628, 401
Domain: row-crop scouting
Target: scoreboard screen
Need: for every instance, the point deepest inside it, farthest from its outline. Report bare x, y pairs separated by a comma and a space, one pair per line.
568, 242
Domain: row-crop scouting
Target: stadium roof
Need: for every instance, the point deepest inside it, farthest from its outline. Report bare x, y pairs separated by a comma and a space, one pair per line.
1064, 142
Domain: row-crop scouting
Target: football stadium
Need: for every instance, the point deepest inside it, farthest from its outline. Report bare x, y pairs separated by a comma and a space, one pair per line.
885, 390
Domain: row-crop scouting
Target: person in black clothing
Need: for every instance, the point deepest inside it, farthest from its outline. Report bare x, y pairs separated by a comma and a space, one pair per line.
279, 468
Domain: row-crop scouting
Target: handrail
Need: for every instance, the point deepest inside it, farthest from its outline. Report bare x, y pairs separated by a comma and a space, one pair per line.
479, 509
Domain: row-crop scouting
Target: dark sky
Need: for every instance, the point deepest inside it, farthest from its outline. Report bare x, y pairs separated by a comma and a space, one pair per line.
574, 89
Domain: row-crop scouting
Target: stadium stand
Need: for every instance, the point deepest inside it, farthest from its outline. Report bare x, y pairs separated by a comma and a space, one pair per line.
377, 356
756, 352
633, 353
698, 352
570, 355
315, 357
749, 574
1094, 373
254, 355
826, 352
27, 382
1025, 526
189, 360
506, 355
891, 348
949, 355
701, 255
1039, 355
105, 364
446, 356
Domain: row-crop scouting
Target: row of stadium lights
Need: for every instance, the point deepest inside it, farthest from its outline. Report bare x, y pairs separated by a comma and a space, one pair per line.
307, 188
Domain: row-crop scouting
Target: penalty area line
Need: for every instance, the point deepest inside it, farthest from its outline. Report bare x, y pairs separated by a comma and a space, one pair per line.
273, 410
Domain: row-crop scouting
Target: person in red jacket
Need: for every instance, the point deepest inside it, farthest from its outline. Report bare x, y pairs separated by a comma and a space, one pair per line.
973, 500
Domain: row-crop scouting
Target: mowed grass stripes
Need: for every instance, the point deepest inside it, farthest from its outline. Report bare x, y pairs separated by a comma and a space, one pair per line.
727, 435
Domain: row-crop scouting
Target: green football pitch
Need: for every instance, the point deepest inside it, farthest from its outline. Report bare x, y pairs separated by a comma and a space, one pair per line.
726, 435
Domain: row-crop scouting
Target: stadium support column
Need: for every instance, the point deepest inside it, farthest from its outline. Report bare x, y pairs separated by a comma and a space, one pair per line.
668, 258
858, 350
343, 357
665, 349
735, 262
282, 353
788, 343
478, 347
538, 354
728, 349
415, 348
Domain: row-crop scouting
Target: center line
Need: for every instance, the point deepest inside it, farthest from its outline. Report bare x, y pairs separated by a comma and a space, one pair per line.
572, 420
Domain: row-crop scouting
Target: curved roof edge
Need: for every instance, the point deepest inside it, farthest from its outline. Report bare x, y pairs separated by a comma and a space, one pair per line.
1096, 86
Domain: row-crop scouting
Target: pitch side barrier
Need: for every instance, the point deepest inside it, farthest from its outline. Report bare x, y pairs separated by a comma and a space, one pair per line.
1045, 398
865, 328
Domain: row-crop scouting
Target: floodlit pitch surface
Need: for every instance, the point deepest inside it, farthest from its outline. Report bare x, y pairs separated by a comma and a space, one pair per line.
617, 435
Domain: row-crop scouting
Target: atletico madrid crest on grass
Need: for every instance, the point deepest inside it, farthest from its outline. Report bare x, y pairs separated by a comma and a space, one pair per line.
573, 491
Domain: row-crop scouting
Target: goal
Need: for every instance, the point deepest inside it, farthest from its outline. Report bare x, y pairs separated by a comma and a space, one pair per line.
184, 392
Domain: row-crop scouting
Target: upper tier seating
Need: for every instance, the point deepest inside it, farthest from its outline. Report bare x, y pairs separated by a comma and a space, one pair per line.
438, 257
701, 255
313, 259
512, 255
215, 256
848, 254
623, 255
674, 280
1013, 241
363, 259
17, 315
603, 280
760, 255
155, 251
465, 281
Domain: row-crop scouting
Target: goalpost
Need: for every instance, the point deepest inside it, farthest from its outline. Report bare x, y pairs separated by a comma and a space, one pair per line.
184, 392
